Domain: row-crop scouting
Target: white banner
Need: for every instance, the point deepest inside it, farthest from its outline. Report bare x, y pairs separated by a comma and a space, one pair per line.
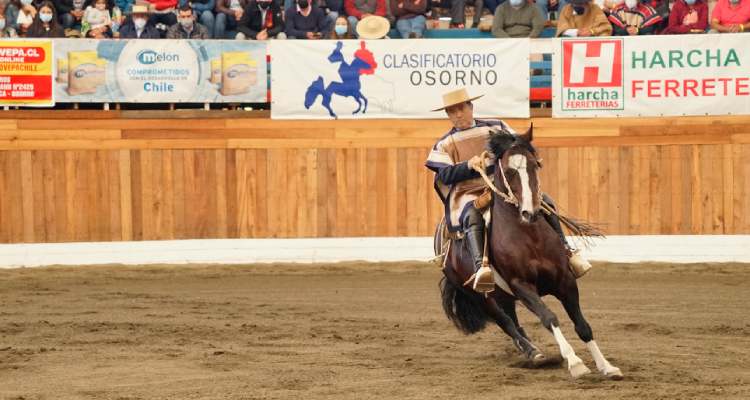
396, 78
652, 76
160, 71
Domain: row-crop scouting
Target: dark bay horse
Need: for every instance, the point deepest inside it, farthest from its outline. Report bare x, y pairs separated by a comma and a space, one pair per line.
529, 262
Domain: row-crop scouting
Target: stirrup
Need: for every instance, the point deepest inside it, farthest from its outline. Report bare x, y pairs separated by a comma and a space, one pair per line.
578, 265
482, 281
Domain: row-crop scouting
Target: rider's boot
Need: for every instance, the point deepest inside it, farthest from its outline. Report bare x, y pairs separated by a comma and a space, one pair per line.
483, 280
578, 265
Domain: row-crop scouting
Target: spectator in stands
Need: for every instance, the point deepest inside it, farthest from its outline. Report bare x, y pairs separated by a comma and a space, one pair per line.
458, 11
332, 9
186, 27
358, 9
261, 20
688, 16
11, 13
125, 6
228, 15
634, 18
163, 14
517, 18
26, 15
411, 18
341, 29
583, 18
138, 25
608, 5
203, 10
71, 13
45, 23
731, 16
6, 31
306, 21
97, 22
545, 6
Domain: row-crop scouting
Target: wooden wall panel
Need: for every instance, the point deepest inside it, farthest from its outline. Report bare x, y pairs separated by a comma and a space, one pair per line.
123, 179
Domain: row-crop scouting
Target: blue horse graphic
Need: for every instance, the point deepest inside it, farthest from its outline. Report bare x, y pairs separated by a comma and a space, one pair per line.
363, 64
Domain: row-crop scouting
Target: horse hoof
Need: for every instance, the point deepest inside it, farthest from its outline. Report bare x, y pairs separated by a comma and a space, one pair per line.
578, 370
538, 359
615, 374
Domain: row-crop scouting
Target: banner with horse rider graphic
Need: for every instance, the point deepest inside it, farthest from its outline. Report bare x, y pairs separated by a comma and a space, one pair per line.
651, 76
360, 79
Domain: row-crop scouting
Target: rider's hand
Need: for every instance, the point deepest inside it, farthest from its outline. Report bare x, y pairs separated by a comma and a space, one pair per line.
475, 163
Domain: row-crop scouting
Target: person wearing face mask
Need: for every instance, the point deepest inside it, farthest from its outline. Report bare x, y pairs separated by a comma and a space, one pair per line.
341, 29
688, 16
137, 25
731, 16
6, 31
186, 27
262, 20
45, 23
97, 21
634, 18
583, 18
517, 18
306, 21
26, 15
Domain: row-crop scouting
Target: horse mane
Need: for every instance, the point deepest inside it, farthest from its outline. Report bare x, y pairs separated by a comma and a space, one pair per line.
502, 140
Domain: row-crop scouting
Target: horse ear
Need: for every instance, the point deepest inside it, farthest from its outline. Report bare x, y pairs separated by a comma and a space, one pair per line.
529, 135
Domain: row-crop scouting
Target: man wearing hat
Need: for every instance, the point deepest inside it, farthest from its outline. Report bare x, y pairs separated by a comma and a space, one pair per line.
138, 25
453, 159
583, 18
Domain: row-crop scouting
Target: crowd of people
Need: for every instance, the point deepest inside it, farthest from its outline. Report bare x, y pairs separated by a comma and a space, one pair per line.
370, 19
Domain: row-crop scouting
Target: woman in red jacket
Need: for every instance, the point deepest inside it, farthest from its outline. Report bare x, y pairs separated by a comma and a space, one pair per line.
687, 16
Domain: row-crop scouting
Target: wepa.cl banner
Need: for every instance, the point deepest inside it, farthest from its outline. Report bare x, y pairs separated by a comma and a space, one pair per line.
652, 76
26, 73
160, 71
318, 79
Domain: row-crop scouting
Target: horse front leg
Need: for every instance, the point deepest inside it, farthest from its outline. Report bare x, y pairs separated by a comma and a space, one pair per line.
573, 308
529, 296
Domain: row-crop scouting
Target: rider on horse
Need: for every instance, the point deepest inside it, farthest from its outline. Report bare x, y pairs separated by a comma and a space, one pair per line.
454, 159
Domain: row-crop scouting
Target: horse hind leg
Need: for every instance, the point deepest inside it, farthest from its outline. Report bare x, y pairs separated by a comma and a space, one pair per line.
573, 308
530, 298
510, 327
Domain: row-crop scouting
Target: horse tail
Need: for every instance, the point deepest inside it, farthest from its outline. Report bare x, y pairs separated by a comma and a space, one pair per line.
317, 88
463, 309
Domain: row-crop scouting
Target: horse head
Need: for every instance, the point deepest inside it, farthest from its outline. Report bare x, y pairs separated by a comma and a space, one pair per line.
517, 169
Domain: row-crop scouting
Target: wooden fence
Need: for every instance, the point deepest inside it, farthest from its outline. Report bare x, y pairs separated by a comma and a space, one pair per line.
101, 176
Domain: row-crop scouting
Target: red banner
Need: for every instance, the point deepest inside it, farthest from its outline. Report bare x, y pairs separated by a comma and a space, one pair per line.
26, 73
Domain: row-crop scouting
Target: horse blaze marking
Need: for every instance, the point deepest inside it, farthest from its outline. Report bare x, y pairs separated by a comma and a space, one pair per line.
518, 162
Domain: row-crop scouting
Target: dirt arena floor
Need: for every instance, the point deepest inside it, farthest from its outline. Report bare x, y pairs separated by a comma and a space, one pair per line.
356, 331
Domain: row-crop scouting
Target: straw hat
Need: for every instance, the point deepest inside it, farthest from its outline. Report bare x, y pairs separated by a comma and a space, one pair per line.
456, 97
139, 9
373, 27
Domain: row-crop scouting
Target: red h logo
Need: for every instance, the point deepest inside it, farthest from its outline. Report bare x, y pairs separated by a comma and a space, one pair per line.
592, 63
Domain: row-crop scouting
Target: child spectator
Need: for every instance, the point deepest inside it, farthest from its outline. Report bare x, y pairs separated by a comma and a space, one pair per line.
341, 29
306, 21
186, 27
634, 18
411, 18
688, 16
97, 23
45, 23
517, 18
731, 16
583, 18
